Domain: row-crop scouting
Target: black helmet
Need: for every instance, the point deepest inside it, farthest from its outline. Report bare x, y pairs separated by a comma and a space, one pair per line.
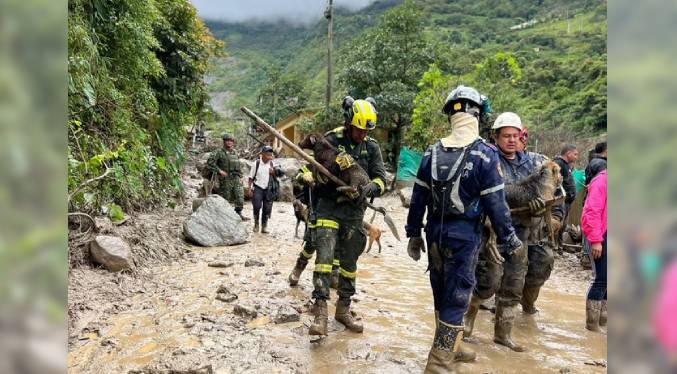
463, 99
227, 136
266, 148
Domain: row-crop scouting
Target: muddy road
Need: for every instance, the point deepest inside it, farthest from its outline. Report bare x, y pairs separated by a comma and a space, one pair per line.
170, 318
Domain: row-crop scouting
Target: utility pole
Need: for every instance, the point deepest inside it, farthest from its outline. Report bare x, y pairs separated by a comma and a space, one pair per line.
328, 14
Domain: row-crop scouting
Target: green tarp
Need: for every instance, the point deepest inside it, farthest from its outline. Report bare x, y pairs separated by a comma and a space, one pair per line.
579, 178
408, 164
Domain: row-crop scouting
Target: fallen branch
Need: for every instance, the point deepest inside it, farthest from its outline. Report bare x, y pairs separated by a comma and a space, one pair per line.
88, 182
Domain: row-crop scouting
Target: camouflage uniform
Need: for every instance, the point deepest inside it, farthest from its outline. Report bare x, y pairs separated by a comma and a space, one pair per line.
523, 271
230, 187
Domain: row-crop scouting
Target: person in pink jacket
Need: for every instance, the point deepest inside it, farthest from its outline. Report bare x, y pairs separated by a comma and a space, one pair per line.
665, 324
594, 223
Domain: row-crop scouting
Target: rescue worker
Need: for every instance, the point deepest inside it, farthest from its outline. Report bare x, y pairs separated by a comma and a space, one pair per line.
540, 253
305, 178
506, 277
458, 183
338, 221
226, 165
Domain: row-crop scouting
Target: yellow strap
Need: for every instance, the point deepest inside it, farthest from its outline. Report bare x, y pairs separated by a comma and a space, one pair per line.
337, 262
325, 223
306, 254
347, 274
323, 268
380, 183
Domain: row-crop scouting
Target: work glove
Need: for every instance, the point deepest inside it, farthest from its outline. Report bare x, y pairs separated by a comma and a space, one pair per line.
511, 247
370, 190
537, 207
344, 160
415, 247
307, 179
349, 191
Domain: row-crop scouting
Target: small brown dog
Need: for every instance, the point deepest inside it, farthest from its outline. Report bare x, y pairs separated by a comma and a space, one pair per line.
374, 235
301, 214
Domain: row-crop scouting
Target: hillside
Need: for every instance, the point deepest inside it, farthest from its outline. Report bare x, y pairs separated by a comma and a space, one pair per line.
559, 46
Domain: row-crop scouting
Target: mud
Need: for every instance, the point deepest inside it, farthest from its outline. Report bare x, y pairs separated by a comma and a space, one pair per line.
167, 316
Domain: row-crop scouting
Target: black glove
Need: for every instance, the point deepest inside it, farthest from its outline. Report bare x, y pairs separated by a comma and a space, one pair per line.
512, 246
415, 247
371, 189
537, 207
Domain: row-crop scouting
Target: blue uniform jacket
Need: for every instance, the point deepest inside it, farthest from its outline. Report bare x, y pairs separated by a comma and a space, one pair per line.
481, 190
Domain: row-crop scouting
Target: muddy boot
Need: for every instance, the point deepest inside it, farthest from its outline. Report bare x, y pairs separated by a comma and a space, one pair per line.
319, 326
239, 213
505, 318
592, 313
264, 226
602, 314
529, 297
256, 226
295, 274
334, 278
469, 317
344, 316
446, 350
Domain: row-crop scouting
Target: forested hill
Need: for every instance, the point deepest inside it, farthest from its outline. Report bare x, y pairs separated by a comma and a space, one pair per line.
544, 59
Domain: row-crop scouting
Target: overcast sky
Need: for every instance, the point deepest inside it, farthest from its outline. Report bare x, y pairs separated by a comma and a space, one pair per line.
302, 11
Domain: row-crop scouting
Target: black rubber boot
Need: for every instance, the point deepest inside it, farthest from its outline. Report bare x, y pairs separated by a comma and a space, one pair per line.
470, 314
593, 310
505, 318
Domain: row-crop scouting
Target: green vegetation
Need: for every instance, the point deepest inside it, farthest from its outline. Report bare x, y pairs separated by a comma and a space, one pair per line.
551, 71
135, 83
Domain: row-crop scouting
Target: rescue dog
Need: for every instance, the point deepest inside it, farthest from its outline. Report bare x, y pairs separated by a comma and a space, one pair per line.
325, 153
301, 214
543, 183
374, 235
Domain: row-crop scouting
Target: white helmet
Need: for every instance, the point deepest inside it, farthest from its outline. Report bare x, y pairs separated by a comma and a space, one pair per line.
507, 119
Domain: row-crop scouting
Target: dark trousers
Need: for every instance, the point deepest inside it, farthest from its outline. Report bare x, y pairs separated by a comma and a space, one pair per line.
598, 288
261, 200
453, 283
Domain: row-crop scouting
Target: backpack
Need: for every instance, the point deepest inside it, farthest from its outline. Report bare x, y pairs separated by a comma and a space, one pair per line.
273, 189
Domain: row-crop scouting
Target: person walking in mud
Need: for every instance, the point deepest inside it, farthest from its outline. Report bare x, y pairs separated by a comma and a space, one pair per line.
305, 178
338, 221
540, 253
506, 277
225, 163
594, 225
458, 182
262, 179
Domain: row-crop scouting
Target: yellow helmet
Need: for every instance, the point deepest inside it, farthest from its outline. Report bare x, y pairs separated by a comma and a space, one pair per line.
362, 114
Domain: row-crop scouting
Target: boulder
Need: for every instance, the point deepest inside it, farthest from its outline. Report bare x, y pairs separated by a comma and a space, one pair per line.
111, 252
290, 166
215, 223
245, 312
286, 189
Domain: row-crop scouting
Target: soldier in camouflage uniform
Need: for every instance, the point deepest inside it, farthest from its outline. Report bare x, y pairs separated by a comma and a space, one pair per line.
226, 165
338, 222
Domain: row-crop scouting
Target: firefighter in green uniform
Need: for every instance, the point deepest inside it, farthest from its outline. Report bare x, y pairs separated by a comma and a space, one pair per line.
305, 178
338, 220
226, 165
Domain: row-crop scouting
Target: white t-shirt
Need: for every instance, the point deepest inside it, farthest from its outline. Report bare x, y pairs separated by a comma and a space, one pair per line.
263, 174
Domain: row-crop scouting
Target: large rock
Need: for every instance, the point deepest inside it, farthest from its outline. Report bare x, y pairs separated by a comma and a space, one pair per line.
215, 223
111, 252
290, 166
286, 189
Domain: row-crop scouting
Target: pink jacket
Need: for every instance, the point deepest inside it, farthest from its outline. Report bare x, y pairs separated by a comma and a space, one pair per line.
593, 221
665, 323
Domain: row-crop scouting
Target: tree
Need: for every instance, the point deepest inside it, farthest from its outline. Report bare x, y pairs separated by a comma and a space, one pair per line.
281, 95
428, 121
387, 63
